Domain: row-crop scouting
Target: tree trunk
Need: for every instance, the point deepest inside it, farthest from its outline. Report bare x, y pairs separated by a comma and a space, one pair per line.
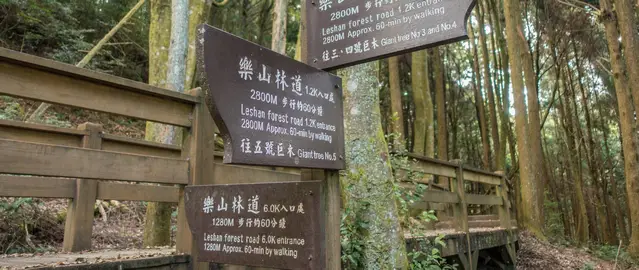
423, 126
157, 229
369, 179
528, 184
479, 100
488, 85
278, 42
440, 97
396, 101
626, 115
199, 12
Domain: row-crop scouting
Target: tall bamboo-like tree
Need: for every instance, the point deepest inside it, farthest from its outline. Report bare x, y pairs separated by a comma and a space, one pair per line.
479, 100
528, 185
440, 97
369, 179
488, 85
627, 24
396, 100
627, 122
423, 127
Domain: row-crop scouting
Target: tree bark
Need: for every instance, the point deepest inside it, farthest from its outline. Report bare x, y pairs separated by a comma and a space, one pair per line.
528, 184
479, 100
278, 42
157, 229
199, 12
488, 85
423, 126
396, 101
369, 180
626, 114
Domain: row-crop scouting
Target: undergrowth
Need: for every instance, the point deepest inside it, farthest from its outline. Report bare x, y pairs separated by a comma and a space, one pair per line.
27, 227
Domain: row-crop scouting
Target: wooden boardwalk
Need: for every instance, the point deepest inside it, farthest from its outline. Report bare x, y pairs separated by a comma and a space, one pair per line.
86, 164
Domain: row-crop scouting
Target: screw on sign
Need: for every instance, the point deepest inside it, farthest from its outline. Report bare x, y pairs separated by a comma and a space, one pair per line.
271, 109
273, 225
343, 33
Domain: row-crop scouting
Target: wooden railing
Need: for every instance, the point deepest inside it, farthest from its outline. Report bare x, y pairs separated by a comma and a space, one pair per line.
86, 164
454, 193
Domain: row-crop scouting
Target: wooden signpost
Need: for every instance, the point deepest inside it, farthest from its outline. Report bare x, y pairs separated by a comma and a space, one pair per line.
274, 111
343, 33
270, 109
274, 225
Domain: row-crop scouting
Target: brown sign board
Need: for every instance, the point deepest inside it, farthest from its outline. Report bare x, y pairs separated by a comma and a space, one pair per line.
274, 225
347, 32
271, 110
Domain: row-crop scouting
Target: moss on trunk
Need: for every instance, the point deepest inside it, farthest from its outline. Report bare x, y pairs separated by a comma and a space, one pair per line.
369, 185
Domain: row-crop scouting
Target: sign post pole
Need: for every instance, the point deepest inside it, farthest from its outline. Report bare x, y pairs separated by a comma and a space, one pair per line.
331, 201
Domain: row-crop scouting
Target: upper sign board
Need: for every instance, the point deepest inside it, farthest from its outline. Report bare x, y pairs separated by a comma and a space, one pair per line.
274, 225
347, 32
271, 110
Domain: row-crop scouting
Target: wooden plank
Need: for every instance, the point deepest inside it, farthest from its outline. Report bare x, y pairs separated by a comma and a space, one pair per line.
20, 131
39, 187
483, 199
481, 178
440, 197
18, 81
67, 70
433, 168
120, 144
49, 160
137, 192
78, 226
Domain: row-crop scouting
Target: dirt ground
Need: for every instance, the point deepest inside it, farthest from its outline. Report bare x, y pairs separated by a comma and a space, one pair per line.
535, 255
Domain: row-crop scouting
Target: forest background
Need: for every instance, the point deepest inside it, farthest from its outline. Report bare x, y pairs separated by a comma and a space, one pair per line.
544, 90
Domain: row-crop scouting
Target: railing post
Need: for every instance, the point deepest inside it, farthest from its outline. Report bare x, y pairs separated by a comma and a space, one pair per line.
198, 150
460, 210
504, 216
78, 226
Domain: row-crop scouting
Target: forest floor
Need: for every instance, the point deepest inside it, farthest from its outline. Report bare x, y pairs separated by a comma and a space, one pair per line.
535, 254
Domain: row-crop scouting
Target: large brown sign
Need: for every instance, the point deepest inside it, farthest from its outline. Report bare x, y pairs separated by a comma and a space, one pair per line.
273, 225
271, 109
347, 32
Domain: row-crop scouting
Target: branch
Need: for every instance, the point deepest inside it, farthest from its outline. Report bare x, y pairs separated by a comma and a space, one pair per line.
37, 114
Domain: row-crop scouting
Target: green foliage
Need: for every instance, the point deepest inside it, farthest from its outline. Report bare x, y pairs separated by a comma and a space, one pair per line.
609, 253
10, 109
588, 266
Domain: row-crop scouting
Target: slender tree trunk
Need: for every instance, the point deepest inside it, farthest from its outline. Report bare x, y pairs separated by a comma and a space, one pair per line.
532, 220
369, 176
626, 113
278, 42
479, 100
169, 24
199, 11
418, 82
488, 85
396, 100
440, 97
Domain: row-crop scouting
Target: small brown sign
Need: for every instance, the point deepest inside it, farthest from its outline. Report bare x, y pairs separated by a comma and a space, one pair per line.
274, 225
270, 109
347, 32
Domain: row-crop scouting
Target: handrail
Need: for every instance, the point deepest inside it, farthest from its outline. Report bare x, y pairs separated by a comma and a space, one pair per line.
60, 68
